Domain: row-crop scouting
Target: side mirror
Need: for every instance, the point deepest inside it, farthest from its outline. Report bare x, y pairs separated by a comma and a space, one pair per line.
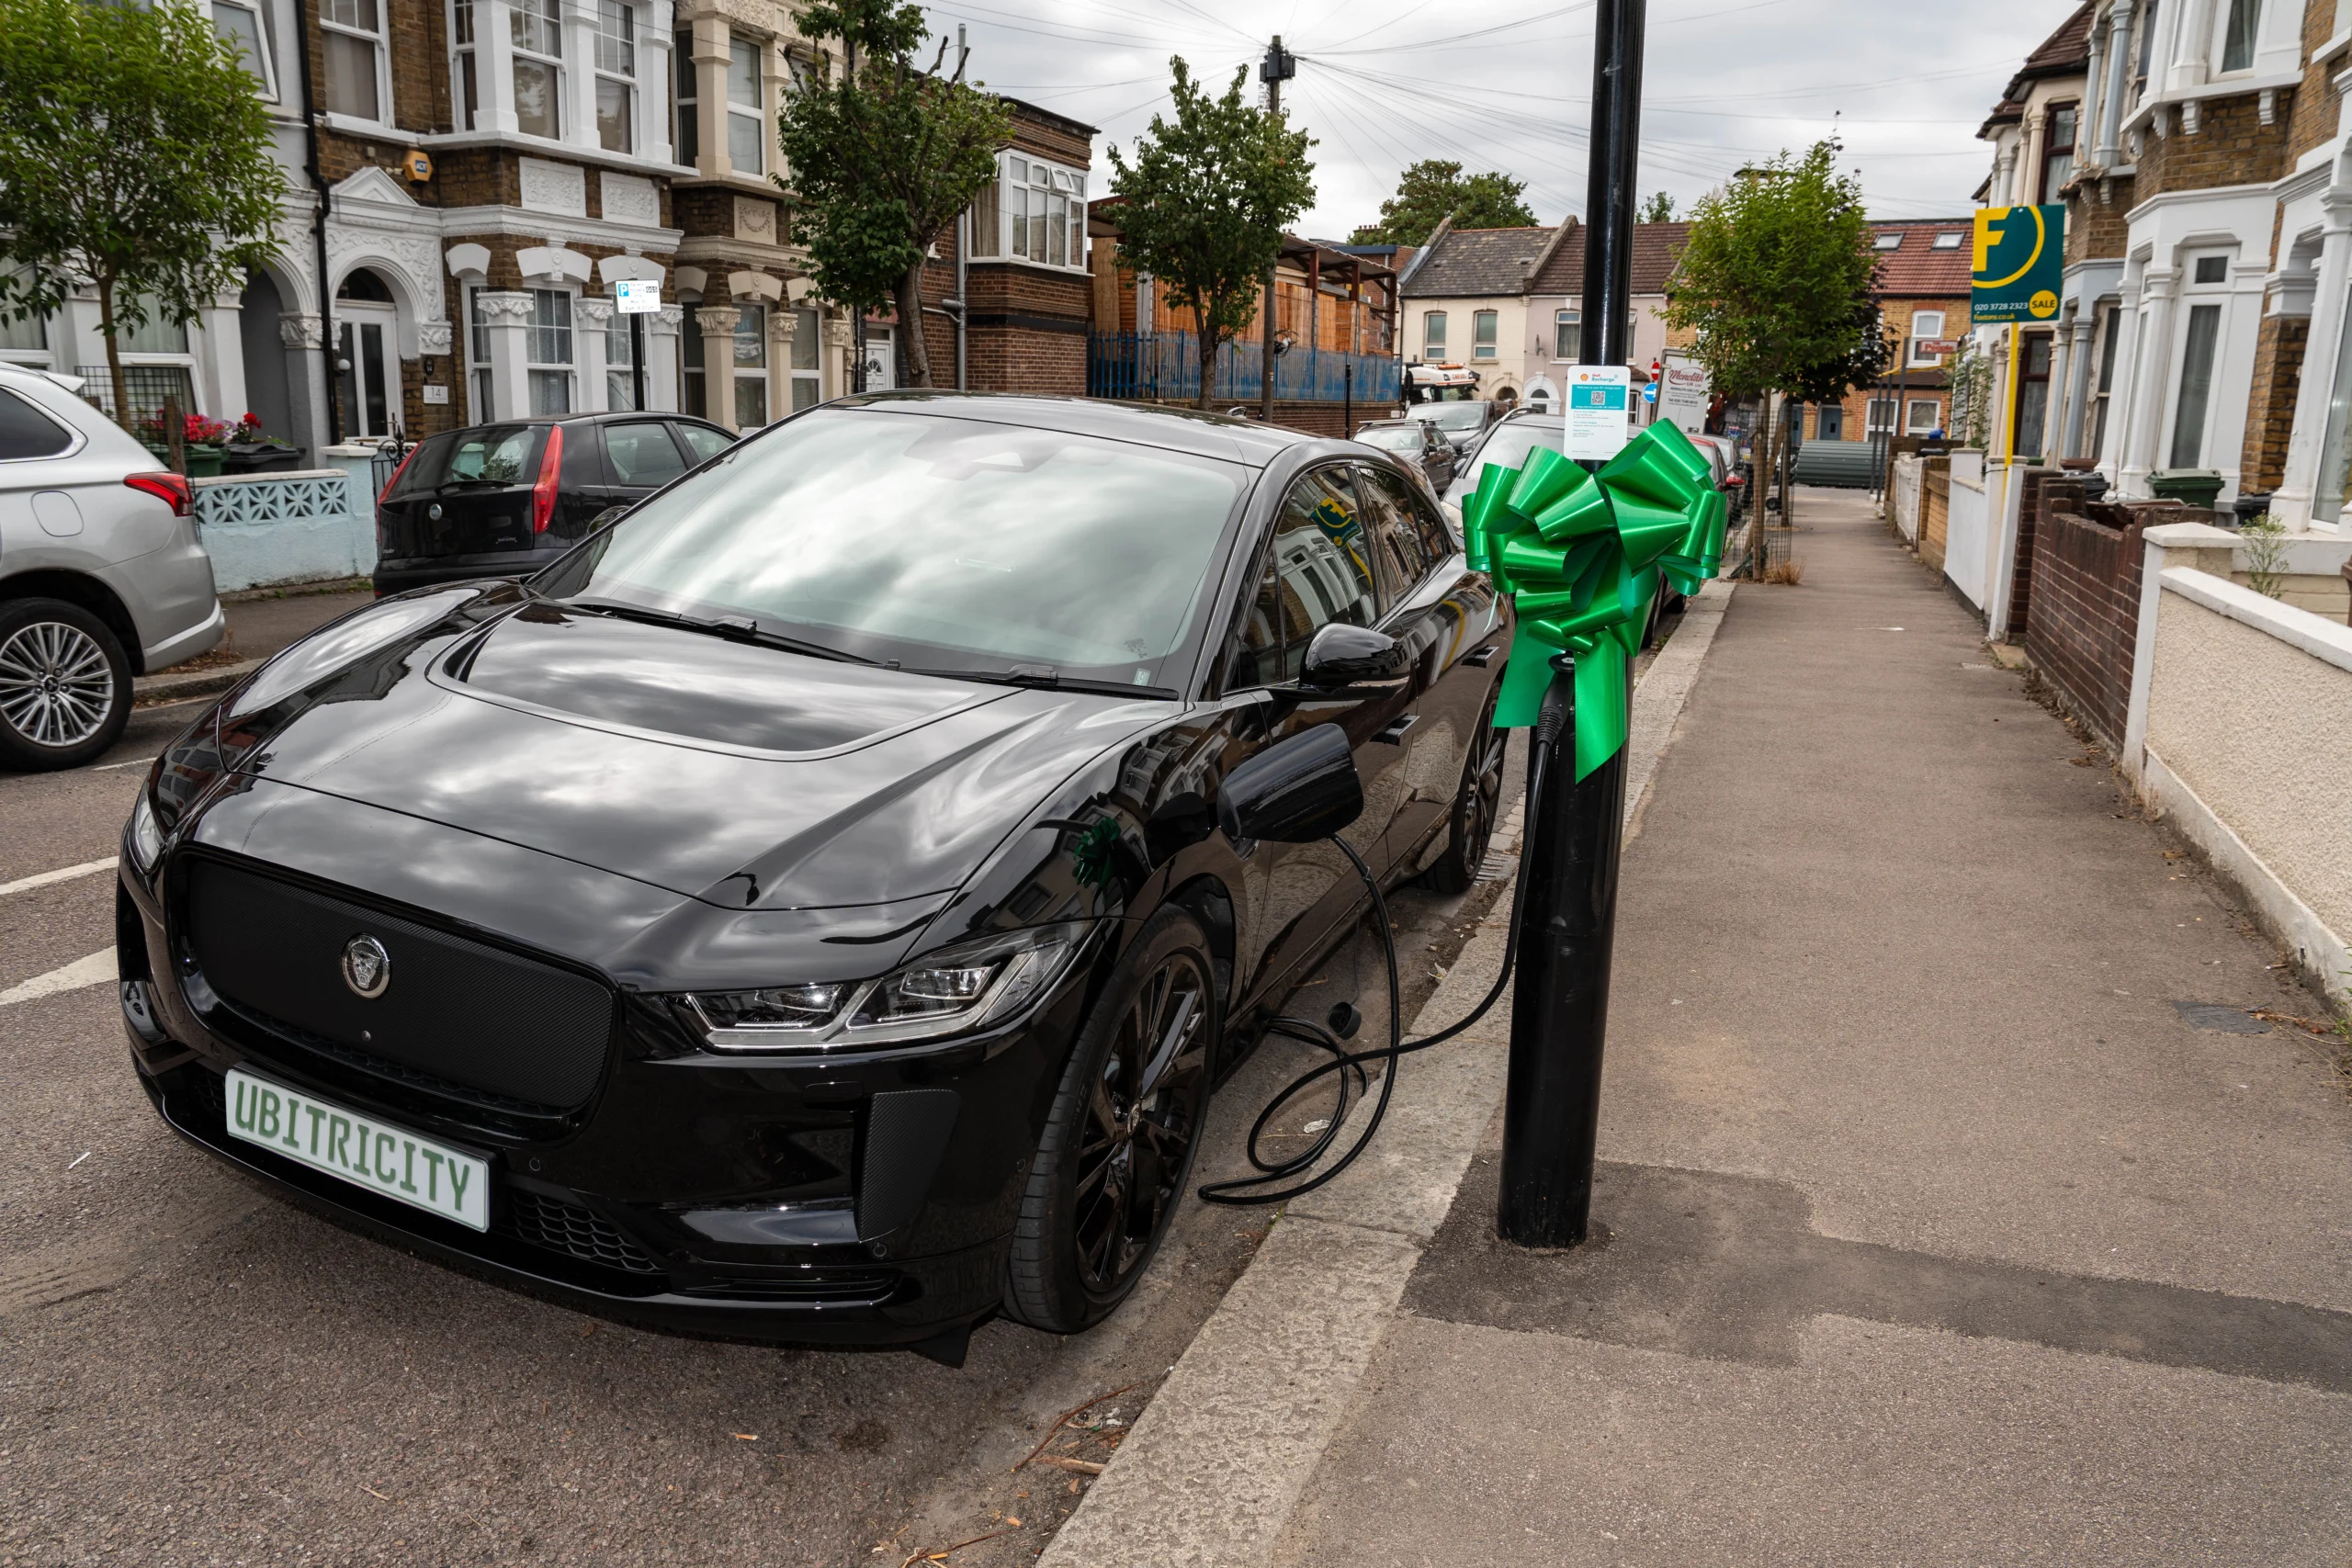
1295, 791
1341, 654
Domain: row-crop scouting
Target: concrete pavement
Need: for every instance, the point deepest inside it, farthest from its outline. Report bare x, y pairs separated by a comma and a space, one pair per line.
1952, 1208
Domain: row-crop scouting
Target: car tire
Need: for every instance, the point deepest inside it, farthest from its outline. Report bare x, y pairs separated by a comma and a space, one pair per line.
1113, 1165
1477, 803
64, 685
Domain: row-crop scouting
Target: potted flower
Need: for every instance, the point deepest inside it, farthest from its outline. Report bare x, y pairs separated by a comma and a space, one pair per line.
203, 439
249, 451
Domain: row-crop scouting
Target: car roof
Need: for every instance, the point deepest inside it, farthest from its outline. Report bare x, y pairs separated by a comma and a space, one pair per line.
1145, 424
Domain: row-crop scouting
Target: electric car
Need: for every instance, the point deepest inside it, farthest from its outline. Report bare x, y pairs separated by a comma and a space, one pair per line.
801, 913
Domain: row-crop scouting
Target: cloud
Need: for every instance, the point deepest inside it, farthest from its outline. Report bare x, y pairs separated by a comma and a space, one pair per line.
1505, 84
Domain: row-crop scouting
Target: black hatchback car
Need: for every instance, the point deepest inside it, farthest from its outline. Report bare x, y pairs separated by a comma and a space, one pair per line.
801, 912
504, 500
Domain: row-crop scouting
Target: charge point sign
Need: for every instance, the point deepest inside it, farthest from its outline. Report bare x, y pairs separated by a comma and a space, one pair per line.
1598, 400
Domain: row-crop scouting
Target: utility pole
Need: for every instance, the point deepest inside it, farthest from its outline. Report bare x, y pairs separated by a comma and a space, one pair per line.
1279, 66
1560, 997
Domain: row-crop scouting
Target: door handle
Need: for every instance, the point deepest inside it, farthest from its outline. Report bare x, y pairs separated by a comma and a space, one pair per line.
1482, 657
1395, 734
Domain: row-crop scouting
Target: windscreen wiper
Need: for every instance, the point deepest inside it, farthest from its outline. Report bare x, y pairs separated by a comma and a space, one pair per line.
1047, 678
735, 628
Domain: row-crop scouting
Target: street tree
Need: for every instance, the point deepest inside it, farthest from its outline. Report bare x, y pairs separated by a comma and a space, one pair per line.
1434, 189
1778, 283
1205, 203
881, 153
1659, 209
134, 160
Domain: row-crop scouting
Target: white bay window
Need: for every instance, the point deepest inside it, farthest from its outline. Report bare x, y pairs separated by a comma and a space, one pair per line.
616, 75
747, 133
1033, 210
534, 30
353, 42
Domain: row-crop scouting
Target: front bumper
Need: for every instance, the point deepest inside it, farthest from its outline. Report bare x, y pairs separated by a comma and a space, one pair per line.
866, 1199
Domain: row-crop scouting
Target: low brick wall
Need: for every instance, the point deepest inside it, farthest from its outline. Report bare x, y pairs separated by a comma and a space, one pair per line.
2045, 491
2083, 618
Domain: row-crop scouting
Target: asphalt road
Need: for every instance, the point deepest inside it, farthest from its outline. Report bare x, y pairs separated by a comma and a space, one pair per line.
192, 1372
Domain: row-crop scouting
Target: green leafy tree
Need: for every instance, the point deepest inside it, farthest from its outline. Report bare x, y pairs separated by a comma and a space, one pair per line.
134, 159
880, 157
1659, 209
1205, 202
1434, 189
1779, 283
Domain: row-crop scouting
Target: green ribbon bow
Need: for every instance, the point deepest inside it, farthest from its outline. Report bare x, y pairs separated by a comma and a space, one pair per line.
1582, 554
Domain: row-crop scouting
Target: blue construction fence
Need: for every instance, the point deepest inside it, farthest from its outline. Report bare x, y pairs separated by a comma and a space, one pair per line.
1167, 366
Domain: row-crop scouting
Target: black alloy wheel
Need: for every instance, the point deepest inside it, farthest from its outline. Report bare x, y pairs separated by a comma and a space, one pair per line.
1120, 1140
1477, 805
64, 685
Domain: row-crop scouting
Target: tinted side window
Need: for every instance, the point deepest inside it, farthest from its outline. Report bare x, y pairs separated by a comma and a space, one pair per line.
1322, 560
26, 432
641, 453
703, 441
1405, 555
581, 466
1258, 646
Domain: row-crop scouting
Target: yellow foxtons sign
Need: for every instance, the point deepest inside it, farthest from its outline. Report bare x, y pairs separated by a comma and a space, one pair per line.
2018, 263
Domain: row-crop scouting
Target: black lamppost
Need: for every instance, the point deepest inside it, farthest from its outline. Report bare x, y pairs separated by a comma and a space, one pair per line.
1569, 917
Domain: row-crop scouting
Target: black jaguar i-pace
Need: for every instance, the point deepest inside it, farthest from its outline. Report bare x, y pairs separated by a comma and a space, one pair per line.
801, 913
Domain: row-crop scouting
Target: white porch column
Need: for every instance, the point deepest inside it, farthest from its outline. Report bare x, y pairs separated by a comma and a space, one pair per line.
304, 341
711, 39
222, 366
2107, 154
2151, 389
717, 325
591, 317
837, 346
495, 71
661, 359
504, 318
2077, 343
2297, 495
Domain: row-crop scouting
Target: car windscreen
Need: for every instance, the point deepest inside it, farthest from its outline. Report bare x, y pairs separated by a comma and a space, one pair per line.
1506, 448
936, 542
1393, 438
1455, 416
482, 456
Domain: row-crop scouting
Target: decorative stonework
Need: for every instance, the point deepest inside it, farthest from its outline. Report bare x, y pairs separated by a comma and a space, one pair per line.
373, 222
630, 200
433, 337
591, 314
718, 321
755, 219
301, 332
668, 319
837, 332
500, 309
560, 188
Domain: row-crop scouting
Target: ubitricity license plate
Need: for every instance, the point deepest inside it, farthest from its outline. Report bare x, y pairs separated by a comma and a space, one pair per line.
362, 1150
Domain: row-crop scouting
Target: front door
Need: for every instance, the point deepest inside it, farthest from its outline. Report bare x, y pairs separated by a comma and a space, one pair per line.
368, 361
880, 359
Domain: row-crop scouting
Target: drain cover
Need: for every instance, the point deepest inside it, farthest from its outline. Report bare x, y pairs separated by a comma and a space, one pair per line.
2221, 1018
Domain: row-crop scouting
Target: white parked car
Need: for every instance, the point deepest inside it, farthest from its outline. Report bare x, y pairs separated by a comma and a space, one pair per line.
102, 577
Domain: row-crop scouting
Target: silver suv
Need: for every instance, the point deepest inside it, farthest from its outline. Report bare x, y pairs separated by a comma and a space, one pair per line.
102, 576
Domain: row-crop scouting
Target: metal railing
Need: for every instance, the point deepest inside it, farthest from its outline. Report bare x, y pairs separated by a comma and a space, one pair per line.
1150, 367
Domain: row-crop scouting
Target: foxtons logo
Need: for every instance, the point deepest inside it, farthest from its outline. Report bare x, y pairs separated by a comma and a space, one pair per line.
2018, 263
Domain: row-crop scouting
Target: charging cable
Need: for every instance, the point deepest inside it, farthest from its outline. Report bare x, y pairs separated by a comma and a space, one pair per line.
1349, 1066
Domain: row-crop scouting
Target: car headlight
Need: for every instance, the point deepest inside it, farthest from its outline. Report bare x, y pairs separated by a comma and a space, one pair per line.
145, 838
972, 985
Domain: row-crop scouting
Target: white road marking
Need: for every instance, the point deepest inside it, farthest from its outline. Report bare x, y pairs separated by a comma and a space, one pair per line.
66, 874
99, 969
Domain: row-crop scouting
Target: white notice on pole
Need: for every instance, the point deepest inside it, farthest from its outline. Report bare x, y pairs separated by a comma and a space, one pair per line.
1597, 411
638, 297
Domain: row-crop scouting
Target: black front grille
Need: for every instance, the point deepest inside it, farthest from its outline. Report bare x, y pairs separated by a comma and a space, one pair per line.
574, 1231
514, 1032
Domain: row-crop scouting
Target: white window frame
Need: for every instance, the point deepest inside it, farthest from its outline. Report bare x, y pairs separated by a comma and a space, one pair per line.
1878, 414
1433, 349
751, 328
465, 54
1888, 240
686, 99
534, 366
625, 46
1920, 334
620, 365
808, 380
523, 18
380, 45
1949, 239
1569, 318
477, 370
2212, 295
268, 66
757, 111
1912, 425
1004, 229
1490, 347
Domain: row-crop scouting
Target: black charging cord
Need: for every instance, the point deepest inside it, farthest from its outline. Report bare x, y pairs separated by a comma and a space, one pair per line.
1349, 1066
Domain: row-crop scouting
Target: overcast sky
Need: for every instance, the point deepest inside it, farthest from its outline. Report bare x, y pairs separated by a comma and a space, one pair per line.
1506, 85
